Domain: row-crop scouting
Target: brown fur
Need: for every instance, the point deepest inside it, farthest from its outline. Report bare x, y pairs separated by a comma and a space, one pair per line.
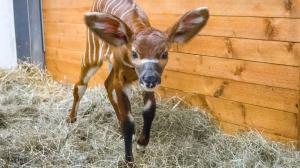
122, 32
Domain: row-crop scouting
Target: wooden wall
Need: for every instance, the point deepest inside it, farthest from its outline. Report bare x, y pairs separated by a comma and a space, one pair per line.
243, 66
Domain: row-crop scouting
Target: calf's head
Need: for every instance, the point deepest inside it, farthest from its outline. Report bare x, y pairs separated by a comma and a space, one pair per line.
148, 48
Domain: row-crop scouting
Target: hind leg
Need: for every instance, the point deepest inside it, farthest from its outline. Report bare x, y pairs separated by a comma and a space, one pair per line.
79, 90
111, 92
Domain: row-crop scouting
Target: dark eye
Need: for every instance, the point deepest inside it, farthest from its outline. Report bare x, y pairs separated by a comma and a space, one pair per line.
134, 55
165, 55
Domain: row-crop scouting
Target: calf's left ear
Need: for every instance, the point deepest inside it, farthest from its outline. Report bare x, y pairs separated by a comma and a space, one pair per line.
109, 28
188, 25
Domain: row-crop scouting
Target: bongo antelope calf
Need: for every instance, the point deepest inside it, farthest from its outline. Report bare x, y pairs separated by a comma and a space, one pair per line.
119, 31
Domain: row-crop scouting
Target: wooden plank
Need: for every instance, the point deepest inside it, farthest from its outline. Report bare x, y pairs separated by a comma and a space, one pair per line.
270, 97
253, 50
216, 67
65, 29
263, 119
67, 4
284, 53
280, 29
279, 122
269, 8
233, 129
72, 43
239, 70
73, 57
68, 72
75, 16
298, 146
277, 98
266, 8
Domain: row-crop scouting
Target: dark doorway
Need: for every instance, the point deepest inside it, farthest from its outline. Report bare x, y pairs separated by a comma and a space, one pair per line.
29, 31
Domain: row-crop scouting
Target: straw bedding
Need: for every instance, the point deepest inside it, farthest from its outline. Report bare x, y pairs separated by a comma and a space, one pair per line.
33, 131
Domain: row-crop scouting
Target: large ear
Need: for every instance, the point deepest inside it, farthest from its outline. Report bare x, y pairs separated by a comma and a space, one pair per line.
109, 28
188, 25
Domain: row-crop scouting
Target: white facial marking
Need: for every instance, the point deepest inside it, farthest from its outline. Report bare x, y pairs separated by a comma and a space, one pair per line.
114, 96
133, 137
143, 61
89, 74
147, 105
81, 90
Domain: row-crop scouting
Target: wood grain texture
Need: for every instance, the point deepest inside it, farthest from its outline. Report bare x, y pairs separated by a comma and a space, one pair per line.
285, 53
265, 8
298, 119
278, 29
249, 116
68, 72
243, 66
239, 70
253, 72
257, 8
270, 97
282, 53
234, 129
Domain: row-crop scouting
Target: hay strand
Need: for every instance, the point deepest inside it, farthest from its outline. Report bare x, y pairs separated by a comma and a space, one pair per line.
33, 132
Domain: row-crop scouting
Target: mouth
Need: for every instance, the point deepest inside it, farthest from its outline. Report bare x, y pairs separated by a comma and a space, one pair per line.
148, 89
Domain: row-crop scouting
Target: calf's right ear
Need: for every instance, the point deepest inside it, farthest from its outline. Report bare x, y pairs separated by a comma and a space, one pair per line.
109, 28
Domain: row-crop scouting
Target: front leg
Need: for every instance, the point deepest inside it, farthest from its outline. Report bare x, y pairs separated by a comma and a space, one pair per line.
126, 121
148, 115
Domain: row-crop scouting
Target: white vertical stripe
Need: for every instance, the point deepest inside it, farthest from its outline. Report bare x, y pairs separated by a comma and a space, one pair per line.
93, 36
89, 60
117, 6
107, 5
100, 53
99, 5
123, 4
107, 51
125, 13
94, 5
113, 1
83, 61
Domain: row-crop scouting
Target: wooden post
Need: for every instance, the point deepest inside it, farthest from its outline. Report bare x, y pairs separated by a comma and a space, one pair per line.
298, 116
